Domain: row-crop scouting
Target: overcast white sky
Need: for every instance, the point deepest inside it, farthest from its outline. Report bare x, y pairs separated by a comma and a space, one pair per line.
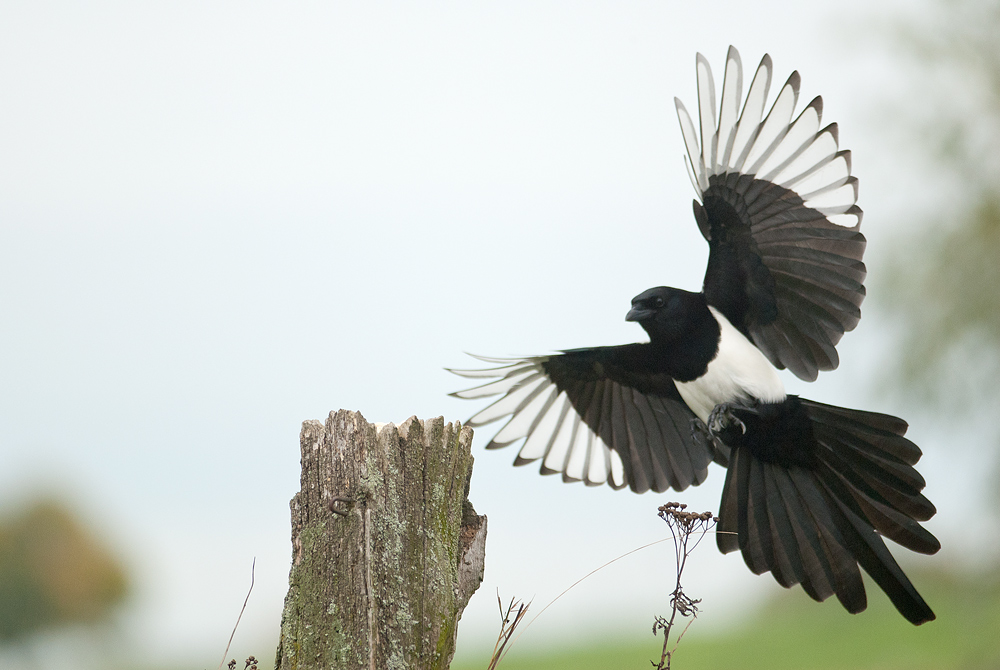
220, 219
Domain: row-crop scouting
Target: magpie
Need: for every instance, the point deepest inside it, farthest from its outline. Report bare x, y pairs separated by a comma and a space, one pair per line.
811, 489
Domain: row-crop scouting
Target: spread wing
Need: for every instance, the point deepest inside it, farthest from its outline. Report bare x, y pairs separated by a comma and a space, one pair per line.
777, 206
585, 416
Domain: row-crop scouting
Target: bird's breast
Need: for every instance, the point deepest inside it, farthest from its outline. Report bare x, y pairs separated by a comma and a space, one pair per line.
739, 372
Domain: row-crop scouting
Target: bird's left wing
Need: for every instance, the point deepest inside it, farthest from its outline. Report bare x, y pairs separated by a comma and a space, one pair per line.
778, 208
585, 416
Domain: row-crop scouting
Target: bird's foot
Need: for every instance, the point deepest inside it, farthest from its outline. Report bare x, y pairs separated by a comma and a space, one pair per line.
700, 434
723, 419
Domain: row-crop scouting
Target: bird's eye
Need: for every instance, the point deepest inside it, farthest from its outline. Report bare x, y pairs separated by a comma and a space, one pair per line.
658, 302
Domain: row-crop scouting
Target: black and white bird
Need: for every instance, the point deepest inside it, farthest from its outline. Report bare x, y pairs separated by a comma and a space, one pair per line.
811, 489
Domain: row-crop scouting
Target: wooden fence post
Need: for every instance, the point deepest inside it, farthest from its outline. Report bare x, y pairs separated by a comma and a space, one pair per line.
386, 547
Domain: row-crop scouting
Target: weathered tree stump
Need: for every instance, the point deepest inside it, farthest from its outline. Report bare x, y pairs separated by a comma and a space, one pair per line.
386, 547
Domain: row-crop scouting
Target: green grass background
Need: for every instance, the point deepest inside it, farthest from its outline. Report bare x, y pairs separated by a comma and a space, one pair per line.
794, 633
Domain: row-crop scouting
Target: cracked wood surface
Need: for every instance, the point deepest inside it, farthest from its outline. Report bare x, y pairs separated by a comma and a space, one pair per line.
386, 548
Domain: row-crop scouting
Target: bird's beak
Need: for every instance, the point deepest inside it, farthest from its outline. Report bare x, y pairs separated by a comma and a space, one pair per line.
638, 314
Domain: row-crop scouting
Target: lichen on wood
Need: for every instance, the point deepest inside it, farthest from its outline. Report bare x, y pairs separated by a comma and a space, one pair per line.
386, 548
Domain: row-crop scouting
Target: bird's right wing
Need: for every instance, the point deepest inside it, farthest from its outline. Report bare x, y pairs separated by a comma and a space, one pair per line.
778, 208
589, 419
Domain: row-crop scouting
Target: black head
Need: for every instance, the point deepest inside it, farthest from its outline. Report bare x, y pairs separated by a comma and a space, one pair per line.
670, 313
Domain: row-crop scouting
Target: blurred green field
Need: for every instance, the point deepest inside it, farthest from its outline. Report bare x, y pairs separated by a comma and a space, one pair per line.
794, 633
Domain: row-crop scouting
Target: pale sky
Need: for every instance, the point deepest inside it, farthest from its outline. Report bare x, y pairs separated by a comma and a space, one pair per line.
220, 219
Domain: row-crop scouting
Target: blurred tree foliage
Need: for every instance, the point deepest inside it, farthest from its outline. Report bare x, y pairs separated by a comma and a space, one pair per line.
945, 283
53, 572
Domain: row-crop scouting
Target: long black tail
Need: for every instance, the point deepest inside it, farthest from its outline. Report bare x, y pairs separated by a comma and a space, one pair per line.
810, 492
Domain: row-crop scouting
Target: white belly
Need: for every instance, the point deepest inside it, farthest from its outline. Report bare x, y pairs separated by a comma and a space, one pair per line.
739, 371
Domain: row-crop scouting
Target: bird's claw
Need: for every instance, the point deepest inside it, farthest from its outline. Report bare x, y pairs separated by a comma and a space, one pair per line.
722, 417
700, 434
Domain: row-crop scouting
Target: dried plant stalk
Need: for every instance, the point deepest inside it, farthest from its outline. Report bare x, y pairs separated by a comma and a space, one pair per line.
688, 529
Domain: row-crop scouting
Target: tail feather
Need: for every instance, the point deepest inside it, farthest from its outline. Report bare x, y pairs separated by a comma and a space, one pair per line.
786, 531
760, 551
816, 575
875, 462
884, 490
788, 564
880, 432
727, 531
888, 519
816, 519
876, 483
847, 583
873, 556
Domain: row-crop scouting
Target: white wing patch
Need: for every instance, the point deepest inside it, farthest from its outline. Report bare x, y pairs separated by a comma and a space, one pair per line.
544, 418
798, 155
